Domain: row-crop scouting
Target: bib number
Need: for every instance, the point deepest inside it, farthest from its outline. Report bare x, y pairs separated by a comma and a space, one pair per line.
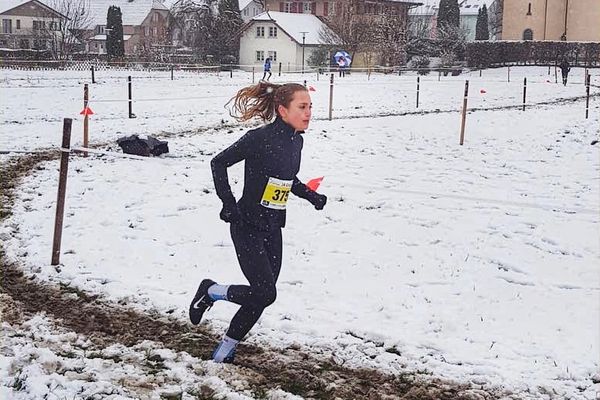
276, 194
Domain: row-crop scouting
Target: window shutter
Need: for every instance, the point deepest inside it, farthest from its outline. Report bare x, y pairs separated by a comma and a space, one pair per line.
313, 7
294, 7
281, 6
325, 8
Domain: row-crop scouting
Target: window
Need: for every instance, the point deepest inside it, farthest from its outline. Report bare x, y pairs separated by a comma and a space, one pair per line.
331, 8
18, 24
39, 25
260, 31
527, 34
155, 17
246, 11
260, 55
7, 26
307, 8
272, 31
24, 43
146, 31
529, 9
273, 55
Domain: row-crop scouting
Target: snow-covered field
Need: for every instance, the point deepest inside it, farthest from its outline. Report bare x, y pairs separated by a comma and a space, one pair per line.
478, 263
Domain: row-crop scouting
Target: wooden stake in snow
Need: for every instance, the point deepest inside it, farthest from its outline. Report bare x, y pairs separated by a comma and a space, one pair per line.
587, 96
62, 188
418, 86
85, 119
131, 114
524, 92
464, 114
330, 97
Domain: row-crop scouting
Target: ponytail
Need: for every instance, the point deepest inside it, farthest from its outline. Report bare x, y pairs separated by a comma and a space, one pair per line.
262, 100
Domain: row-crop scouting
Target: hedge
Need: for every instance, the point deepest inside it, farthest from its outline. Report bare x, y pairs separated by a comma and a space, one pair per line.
483, 54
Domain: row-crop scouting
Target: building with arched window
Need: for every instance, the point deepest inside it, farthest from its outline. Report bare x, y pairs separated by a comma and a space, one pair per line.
571, 20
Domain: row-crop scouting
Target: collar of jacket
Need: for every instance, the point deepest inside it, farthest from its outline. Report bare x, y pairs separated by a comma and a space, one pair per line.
279, 125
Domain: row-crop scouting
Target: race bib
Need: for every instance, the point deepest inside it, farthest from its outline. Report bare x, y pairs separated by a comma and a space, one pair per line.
276, 194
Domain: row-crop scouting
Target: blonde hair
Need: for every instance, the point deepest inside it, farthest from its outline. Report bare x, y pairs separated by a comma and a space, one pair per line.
262, 100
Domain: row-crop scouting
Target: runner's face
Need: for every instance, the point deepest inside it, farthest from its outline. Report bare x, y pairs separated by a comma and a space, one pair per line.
298, 113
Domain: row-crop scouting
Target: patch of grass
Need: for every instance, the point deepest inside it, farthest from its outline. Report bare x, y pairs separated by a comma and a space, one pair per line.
18, 383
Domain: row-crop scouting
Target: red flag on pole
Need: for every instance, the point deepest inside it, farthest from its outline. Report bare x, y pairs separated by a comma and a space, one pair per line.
313, 184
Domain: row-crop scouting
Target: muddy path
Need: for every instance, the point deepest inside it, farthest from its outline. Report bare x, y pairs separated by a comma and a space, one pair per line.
106, 322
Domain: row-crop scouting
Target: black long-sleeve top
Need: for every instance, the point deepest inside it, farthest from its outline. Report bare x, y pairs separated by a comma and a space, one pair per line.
272, 151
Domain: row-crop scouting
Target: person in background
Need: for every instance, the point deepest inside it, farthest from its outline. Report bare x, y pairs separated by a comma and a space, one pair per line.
565, 67
267, 69
272, 161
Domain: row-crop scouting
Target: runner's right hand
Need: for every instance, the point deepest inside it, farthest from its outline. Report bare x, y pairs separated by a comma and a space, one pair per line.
230, 213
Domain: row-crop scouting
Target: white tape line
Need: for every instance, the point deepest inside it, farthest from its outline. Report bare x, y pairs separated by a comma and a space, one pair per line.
115, 154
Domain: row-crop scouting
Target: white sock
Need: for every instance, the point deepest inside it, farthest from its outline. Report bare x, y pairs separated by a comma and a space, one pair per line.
224, 349
218, 292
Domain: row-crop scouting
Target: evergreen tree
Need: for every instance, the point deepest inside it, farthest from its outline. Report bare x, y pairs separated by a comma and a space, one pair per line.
225, 40
481, 29
115, 46
448, 14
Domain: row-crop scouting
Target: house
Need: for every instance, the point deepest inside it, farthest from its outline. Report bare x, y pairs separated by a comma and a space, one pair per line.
250, 9
574, 20
146, 26
29, 25
288, 39
328, 8
424, 17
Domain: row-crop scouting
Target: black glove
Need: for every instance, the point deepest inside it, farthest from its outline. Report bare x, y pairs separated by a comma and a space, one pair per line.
230, 213
319, 201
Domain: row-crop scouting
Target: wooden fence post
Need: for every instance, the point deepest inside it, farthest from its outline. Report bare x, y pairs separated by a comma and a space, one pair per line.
524, 92
62, 188
131, 114
464, 114
418, 89
587, 96
85, 118
93, 75
331, 97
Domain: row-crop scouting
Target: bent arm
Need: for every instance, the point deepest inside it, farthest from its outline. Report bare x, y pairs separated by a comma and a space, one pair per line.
301, 190
235, 153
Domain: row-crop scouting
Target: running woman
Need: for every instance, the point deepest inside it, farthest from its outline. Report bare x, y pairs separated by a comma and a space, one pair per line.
272, 161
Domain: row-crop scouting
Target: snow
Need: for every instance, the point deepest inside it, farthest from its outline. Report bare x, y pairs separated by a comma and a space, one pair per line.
477, 262
294, 24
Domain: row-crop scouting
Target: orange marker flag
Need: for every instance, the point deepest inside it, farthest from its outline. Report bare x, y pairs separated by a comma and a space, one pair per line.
313, 184
87, 111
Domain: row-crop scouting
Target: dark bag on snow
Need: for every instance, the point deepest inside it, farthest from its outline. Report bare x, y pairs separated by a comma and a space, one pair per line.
143, 147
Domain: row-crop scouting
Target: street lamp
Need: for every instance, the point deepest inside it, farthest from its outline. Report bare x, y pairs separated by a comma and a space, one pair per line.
303, 40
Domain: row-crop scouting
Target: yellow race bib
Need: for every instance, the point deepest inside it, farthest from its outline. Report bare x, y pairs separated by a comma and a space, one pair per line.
276, 193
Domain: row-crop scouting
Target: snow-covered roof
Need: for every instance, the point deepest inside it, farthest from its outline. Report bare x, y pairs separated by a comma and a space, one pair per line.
244, 3
6, 5
294, 24
467, 7
103, 37
134, 11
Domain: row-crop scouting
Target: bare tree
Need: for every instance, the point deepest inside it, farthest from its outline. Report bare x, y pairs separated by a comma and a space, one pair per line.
197, 19
495, 19
348, 30
390, 35
66, 32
